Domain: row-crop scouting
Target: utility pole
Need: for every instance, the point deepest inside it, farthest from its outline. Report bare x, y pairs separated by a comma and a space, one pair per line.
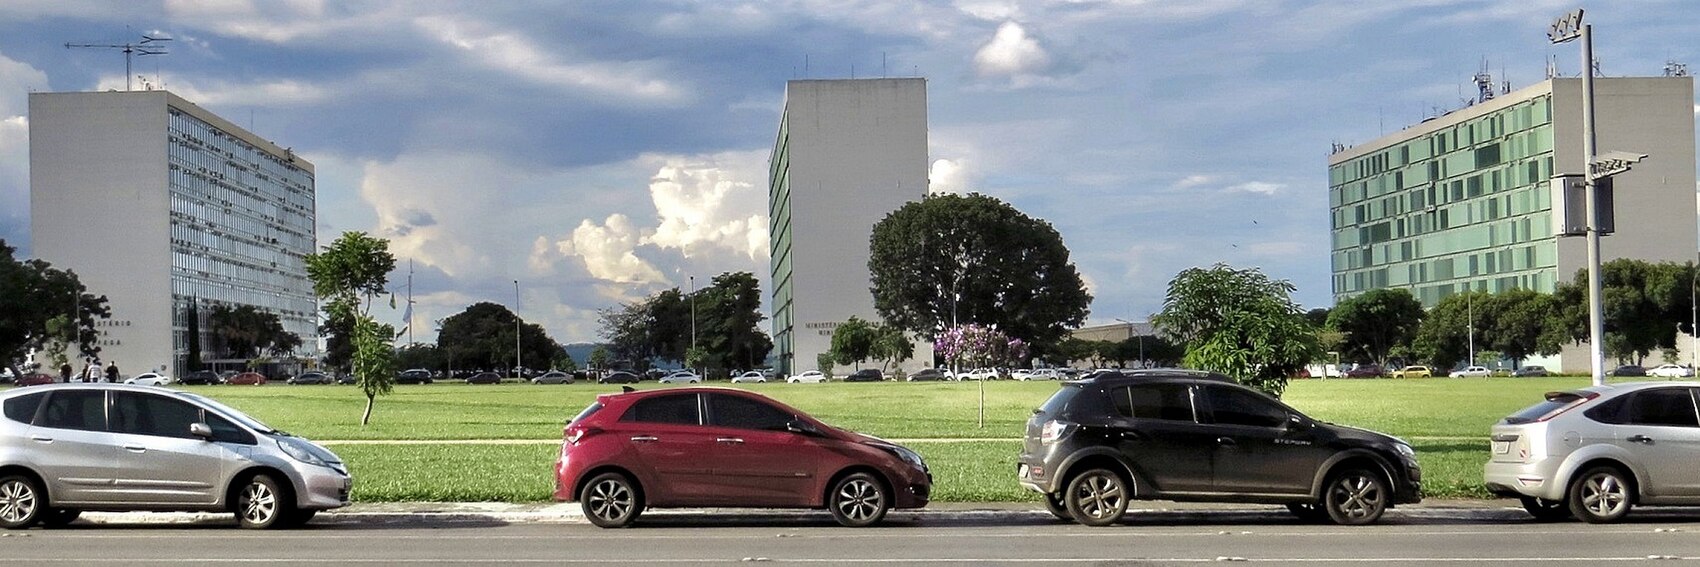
144, 47
1566, 28
517, 364
693, 286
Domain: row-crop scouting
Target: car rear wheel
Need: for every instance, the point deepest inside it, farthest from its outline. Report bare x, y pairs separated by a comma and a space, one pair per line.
1097, 497
611, 501
859, 500
21, 502
1600, 495
1545, 510
59, 517
1057, 507
1355, 497
262, 505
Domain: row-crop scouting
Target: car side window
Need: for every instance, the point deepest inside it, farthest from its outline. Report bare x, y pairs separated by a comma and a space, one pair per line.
75, 409
146, 414
1230, 406
22, 408
1664, 406
744, 413
1171, 402
677, 408
224, 431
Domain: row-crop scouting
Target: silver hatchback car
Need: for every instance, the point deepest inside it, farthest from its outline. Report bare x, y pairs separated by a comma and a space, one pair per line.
70, 448
1597, 451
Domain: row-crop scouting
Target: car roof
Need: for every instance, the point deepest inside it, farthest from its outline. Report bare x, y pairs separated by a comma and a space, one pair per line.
114, 386
1152, 374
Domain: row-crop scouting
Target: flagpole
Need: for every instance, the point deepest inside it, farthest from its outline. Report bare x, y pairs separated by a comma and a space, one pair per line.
409, 302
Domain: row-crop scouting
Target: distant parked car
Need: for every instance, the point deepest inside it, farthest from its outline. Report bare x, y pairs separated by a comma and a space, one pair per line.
1413, 372
618, 377
865, 375
149, 379
810, 377
201, 378
345, 379
484, 378
553, 377
311, 377
751, 377
1595, 452
414, 376
1365, 371
1629, 370
981, 374
1671, 371
1531, 370
35, 379
247, 379
681, 377
1035, 374
1471, 372
927, 375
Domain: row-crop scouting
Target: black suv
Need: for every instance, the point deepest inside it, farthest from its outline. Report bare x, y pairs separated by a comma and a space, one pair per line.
1192, 436
415, 376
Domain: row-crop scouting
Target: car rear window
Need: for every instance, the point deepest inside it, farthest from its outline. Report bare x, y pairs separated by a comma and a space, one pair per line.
1060, 401
1554, 403
22, 408
588, 411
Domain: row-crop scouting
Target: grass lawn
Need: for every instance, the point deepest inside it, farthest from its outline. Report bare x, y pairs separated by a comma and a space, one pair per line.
1446, 419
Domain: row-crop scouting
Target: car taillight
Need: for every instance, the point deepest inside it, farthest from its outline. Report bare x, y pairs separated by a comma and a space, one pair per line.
1054, 430
575, 434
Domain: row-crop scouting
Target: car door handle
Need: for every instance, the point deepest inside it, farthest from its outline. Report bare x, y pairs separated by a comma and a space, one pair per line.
42, 439
135, 448
1642, 439
1226, 441
729, 440
1134, 435
645, 439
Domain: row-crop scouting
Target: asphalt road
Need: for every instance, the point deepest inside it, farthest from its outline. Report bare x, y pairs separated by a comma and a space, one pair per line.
1419, 537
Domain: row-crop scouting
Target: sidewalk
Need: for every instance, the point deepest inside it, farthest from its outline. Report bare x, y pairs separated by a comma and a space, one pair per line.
451, 513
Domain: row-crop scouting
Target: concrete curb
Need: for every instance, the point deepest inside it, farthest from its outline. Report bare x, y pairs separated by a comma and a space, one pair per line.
476, 513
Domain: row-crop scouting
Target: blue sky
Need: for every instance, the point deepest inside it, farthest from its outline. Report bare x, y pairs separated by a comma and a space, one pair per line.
600, 151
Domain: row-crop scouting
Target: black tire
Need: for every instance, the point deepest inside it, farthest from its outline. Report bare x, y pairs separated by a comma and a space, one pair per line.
1545, 510
1309, 512
858, 500
22, 502
1601, 495
261, 504
611, 500
1057, 507
1355, 497
1097, 497
299, 518
59, 517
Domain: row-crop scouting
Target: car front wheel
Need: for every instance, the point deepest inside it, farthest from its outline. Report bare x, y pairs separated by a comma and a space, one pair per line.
611, 501
261, 505
859, 500
1600, 495
1356, 497
1097, 497
21, 502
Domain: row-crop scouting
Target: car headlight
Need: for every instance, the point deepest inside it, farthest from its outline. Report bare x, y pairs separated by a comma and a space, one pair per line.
1405, 450
301, 451
906, 455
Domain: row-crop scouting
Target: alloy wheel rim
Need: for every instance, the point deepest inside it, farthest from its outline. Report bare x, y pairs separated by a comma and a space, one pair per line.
610, 500
1357, 496
17, 501
859, 499
259, 503
1100, 497
1604, 494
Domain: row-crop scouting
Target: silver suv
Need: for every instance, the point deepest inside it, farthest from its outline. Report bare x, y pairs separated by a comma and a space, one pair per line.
1597, 451
69, 448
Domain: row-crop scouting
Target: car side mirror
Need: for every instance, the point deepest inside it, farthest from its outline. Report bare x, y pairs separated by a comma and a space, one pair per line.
801, 427
201, 430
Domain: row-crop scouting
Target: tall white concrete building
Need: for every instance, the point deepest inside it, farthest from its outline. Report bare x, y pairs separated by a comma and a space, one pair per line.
848, 153
161, 205
1462, 202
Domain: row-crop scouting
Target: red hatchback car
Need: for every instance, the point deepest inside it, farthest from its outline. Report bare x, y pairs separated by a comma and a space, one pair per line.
722, 447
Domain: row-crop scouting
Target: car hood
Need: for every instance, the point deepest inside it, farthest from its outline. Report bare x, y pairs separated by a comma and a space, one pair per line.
1361, 435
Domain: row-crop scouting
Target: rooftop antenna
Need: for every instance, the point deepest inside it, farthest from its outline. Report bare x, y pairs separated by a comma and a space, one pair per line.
1675, 69
1484, 84
144, 47
1552, 67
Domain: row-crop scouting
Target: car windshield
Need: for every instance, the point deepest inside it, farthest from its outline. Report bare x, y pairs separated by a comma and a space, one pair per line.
234, 414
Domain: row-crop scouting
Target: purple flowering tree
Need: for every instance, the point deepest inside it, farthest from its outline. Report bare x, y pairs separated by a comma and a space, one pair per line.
974, 346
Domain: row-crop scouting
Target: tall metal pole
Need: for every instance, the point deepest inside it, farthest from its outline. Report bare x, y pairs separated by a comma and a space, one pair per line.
517, 364
1596, 312
1470, 326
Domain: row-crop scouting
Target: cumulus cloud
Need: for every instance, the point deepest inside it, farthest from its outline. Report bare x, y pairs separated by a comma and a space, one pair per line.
16, 81
1256, 188
609, 251
1011, 53
439, 207
515, 54
712, 204
949, 176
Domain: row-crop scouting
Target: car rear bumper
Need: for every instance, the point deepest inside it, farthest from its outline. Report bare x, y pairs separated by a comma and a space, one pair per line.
1512, 479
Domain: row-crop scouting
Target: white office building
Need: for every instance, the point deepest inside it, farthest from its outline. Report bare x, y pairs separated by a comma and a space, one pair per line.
848, 153
160, 205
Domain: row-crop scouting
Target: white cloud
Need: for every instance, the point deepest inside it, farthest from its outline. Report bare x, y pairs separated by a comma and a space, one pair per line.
515, 54
271, 93
17, 79
441, 208
1011, 53
1256, 188
1194, 181
278, 21
609, 253
949, 176
712, 203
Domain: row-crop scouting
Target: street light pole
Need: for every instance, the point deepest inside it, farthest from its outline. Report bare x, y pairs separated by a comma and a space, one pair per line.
693, 280
1567, 28
516, 330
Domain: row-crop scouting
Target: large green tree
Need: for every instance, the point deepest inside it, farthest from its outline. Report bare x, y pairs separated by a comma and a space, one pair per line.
729, 322
1443, 338
960, 259
482, 337
853, 342
1644, 304
1376, 321
33, 292
1240, 323
347, 275
727, 318
1514, 324
248, 331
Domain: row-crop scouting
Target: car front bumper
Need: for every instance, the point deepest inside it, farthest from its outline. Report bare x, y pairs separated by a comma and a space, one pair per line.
322, 488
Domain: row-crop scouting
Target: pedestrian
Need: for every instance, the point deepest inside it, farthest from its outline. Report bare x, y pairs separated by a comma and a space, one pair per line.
89, 370
65, 372
112, 372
